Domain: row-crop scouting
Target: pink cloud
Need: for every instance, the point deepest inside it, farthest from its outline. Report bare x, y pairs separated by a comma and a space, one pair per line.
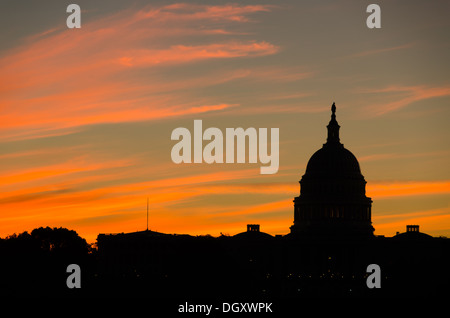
402, 96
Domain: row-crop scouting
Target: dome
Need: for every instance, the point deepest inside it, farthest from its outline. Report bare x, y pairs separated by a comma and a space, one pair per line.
413, 236
333, 160
253, 234
333, 170
412, 233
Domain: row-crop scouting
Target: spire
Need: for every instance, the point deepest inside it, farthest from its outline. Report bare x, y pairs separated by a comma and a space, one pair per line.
333, 128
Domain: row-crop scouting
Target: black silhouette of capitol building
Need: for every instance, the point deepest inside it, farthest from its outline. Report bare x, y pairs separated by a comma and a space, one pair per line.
333, 198
327, 251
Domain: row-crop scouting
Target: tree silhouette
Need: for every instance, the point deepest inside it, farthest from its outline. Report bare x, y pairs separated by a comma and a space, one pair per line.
60, 240
36, 262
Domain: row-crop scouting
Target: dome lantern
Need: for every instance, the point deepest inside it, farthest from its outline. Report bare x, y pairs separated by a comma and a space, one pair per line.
333, 128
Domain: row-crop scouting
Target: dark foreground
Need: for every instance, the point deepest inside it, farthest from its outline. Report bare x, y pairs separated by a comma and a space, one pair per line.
249, 266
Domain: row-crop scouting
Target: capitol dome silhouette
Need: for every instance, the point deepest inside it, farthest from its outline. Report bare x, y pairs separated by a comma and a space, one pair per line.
332, 197
333, 161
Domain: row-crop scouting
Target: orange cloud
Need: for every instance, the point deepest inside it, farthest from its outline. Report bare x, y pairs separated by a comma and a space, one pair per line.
73, 166
395, 189
183, 53
60, 78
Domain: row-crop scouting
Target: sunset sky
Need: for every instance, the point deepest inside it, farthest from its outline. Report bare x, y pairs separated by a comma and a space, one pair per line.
86, 115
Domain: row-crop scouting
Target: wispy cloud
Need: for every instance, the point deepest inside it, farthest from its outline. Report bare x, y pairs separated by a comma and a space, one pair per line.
67, 78
384, 50
402, 96
184, 53
387, 156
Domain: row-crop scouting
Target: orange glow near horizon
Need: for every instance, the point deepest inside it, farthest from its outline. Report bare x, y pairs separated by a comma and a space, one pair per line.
101, 210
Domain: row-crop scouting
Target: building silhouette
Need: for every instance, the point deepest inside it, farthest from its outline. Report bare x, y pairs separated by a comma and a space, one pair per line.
333, 198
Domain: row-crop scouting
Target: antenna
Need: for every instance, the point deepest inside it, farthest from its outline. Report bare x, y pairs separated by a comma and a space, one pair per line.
147, 213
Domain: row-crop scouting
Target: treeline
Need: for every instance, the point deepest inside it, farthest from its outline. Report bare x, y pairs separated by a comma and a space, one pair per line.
35, 264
